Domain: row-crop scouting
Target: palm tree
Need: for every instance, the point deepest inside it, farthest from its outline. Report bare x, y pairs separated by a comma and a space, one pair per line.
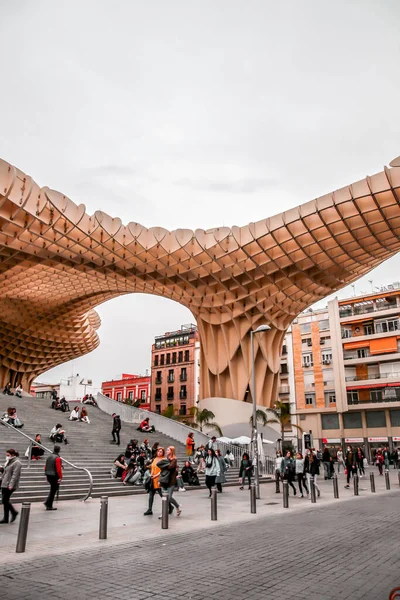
204, 418
283, 416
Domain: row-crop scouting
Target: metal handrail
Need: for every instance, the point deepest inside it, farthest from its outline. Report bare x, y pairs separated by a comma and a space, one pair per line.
89, 493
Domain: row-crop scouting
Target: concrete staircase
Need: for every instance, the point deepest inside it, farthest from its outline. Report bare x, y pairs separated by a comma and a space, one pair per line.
89, 447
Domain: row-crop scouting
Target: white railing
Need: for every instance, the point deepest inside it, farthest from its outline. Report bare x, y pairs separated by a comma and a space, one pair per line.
129, 414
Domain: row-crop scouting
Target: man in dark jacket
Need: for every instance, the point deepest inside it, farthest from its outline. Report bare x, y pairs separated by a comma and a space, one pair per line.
53, 471
326, 459
116, 428
350, 464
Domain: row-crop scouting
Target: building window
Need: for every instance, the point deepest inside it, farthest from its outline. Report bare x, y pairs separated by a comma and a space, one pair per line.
323, 324
173, 358
307, 360
182, 409
376, 395
183, 393
352, 420
170, 394
330, 421
310, 400
183, 376
158, 378
156, 360
330, 398
171, 377
158, 394
119, 395
130, 395
305, 328
143, 395
168, 358
180, 356
386, 326
352, 397
395, 418
284, 369
362, 353
326, 358
376, 418
368, 330
162, 359
284, 349
307, 341
158, 409
187, 355
346, 333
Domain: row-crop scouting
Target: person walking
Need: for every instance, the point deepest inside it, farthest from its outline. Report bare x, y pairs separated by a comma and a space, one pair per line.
168, 475
278, 464
220, 479
288, 470
379, 461
326, 459
386, 458
53, 471
299, 468
340, 459
9, 483
116, 429
350, 463
245, 470
154, 485
213, 469
360, 461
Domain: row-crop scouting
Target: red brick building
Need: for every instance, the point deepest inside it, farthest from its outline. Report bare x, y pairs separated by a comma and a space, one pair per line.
128, 387
175, 370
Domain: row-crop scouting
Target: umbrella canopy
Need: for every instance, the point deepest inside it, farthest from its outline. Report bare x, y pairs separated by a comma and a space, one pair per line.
224, 440
243, 439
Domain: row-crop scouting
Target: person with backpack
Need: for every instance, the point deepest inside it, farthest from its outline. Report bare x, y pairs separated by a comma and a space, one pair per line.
168, 475
288, 470
53, 472
116, 429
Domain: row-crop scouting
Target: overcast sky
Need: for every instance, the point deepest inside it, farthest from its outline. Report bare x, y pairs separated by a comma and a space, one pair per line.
195, 114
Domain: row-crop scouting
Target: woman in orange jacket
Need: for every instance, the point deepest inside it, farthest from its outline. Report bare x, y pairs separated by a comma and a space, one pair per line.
155, 480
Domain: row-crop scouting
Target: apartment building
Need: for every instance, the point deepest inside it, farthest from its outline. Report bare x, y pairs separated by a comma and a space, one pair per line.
128, 387
175, 370
347, 371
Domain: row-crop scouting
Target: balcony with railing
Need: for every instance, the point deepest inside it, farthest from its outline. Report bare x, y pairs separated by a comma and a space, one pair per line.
284, 389
170, 396
158, 380
171, 378
182, 395
372, 376
183, 377
366, 308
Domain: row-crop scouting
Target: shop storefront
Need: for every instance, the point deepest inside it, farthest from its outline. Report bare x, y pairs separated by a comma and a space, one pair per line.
374, 443
355, 442
333, 444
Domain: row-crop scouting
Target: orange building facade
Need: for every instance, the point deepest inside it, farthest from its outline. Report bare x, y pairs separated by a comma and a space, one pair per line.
175, 370
346, 363
129, 388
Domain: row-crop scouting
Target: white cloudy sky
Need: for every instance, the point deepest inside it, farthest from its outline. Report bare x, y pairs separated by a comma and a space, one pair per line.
195, 114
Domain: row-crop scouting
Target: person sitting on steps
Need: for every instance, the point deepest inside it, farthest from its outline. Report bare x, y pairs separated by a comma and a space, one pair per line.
74, 416
57, 434
145, 426
18, 391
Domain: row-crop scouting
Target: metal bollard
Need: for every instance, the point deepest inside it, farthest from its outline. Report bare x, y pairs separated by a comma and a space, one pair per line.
355, 483
23, 527
253, 501
387, 479
164, 512
312, 490
103, 518
213, 504
399, 477
335, 486
372, 481
285, 494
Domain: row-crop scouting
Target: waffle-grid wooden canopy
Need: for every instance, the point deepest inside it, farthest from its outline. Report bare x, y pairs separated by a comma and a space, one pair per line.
57, 263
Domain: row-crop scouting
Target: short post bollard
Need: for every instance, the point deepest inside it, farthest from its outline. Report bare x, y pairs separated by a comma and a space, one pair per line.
253, 501
23, 527
285, 494
387, 479
214, 504
103, 518
399, 476
355, 483
335, 486
164, 512
312, 490
372, 481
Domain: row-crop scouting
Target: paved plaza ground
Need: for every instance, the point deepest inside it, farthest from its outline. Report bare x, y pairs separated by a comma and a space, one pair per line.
346, 548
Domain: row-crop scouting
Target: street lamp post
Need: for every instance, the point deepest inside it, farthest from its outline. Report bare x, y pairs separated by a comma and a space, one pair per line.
260, 329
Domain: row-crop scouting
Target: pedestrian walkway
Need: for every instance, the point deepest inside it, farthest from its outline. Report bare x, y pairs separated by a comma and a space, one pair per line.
75, 525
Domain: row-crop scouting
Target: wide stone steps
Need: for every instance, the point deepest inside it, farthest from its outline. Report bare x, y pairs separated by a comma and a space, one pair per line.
89, 446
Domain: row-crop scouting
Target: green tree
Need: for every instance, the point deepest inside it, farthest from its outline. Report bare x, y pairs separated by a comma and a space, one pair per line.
204, 418
280, 414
